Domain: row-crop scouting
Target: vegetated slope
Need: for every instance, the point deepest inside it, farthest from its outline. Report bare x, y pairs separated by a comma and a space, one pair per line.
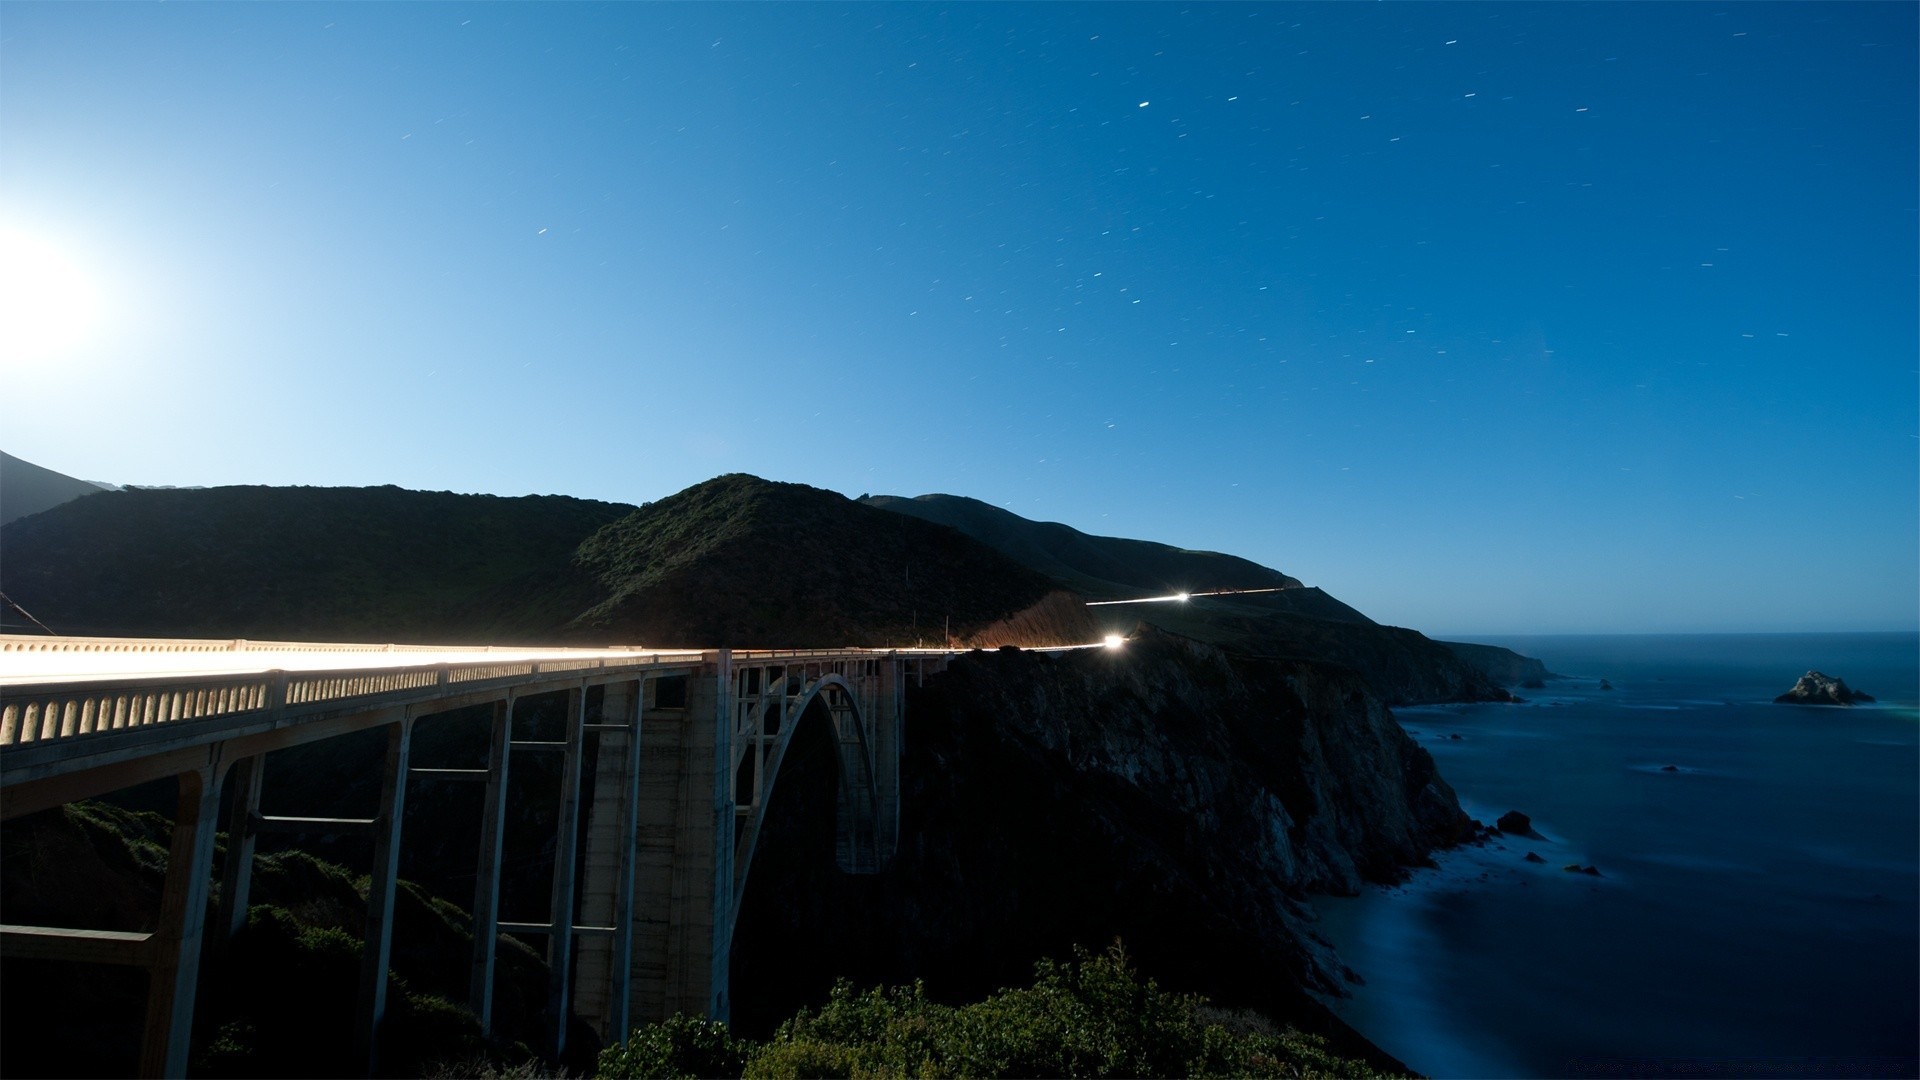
740, 561
355, 564
735, 561
1168, 793
1403, 666
26, 488
1298, 622
279, 999
1101, 567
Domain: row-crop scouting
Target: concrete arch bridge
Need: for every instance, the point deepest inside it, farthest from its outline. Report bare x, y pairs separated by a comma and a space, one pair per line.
687, 746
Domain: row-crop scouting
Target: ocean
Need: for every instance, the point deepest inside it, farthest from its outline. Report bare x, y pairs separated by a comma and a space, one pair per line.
1757, 909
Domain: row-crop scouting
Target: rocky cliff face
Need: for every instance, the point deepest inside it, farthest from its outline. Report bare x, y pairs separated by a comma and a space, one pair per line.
1168, 793
1503, 666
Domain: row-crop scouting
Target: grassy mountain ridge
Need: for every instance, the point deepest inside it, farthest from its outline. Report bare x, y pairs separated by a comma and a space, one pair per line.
26, 488
740, 561
372, 564
735, 561
1298, 622
1100, 567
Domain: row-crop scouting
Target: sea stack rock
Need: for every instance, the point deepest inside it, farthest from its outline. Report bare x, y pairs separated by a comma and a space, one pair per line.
1513, 821
1817, 689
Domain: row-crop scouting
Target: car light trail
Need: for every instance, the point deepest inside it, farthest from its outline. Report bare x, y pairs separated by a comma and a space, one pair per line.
1181, 597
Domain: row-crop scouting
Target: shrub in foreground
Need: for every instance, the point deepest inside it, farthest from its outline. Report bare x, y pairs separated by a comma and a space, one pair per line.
1093, 1017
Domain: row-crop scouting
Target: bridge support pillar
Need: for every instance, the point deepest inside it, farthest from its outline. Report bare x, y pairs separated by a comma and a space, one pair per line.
603, 983
378, 947
486, 877
678, 837
236, 878
183, 917
719, 937
565, 844
889, 735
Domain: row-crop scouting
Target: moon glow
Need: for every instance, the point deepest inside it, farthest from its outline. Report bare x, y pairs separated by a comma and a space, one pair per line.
49, 304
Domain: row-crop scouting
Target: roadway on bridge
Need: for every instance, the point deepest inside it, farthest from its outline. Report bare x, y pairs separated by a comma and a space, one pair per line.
26, 659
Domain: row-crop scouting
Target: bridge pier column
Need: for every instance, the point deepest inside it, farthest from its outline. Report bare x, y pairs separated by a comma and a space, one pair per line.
560, 906
889, 735
175, 973
378, 947
604, 974
486, 878
236, 878
719, 927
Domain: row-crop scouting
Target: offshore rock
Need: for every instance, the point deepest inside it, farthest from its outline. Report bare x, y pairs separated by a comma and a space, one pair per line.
1815, 688
1513, 821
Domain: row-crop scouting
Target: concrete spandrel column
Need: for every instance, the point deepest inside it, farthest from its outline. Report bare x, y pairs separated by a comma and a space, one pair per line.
602, 972
183, 916
486, 885
378, 947
560, 905
236, 879
720, 936
889, 729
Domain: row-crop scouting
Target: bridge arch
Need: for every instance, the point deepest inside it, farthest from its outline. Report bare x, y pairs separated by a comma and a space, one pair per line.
787, 700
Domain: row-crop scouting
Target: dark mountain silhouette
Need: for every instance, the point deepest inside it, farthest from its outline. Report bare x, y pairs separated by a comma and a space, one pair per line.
26, 488
740, 561
1298, 622
326, 564
1098, 567
735, 561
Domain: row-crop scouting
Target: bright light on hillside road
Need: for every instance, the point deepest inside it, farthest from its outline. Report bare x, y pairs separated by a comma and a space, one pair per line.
1114, 641
1181, 597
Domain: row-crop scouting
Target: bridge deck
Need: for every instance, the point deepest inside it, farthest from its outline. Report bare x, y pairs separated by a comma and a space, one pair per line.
25, 659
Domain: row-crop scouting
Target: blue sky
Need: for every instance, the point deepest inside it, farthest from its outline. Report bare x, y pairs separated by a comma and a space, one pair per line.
1487, 318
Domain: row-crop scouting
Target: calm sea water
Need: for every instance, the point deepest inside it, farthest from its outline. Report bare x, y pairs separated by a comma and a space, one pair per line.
1758, 911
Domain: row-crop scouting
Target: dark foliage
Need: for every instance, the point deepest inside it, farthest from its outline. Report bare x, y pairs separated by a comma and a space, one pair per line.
317, 564
738, 561
291, 973
1093, 1017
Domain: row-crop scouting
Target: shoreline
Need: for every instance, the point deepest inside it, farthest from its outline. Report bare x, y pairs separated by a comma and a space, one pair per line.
1773, 855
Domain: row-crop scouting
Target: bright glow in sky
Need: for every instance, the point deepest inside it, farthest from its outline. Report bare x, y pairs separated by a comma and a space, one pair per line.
1491, 318
48, 303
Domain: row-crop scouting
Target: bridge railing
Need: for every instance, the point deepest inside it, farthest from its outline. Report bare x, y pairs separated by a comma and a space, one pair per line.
45, 712
41, 712
24, 643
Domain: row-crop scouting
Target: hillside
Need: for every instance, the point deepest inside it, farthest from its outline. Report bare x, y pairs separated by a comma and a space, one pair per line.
740, 561
735, 561
1098, 567
1299, 622
26, 488
353, 564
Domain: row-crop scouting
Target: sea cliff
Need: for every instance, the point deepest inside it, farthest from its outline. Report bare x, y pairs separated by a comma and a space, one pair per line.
1169, 793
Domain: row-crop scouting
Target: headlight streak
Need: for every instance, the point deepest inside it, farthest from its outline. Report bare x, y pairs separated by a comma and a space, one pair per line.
1181, 597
